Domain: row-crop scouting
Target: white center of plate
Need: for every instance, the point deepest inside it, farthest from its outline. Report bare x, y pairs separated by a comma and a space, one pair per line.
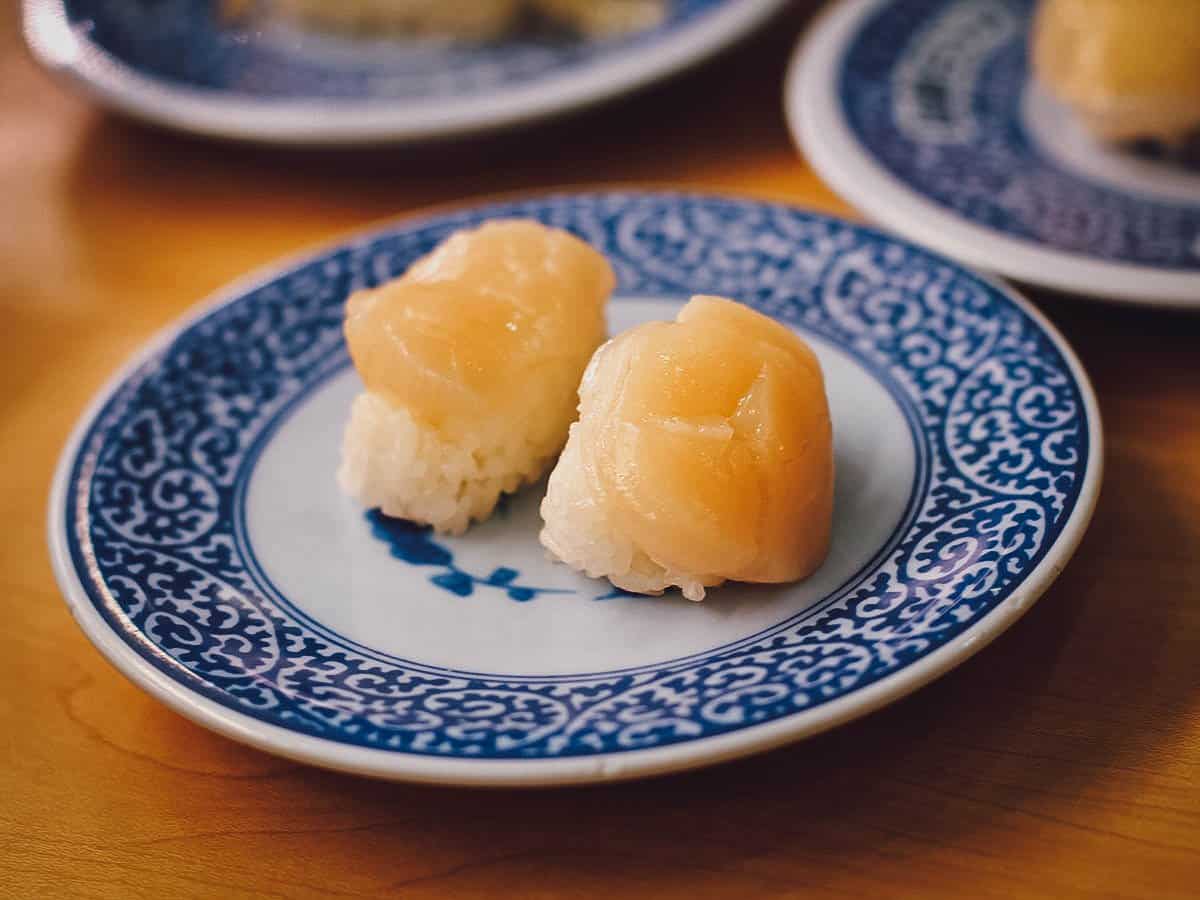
317, 548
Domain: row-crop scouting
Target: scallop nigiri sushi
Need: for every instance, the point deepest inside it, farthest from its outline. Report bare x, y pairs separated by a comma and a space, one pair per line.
1126, 69
604, 18
703, 452
471, 361
478, 20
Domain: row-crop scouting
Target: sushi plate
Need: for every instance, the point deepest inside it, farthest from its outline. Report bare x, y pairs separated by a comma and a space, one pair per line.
179, 63
203, 545
924, 115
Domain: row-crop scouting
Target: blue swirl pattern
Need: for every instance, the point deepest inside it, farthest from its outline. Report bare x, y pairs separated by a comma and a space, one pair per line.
1001, 434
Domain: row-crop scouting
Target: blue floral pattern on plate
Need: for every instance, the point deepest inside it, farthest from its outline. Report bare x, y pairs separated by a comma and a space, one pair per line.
155, 489
933, 90
415, 544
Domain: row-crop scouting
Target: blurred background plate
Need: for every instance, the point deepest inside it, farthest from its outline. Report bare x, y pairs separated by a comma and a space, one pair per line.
924, 115
183, 64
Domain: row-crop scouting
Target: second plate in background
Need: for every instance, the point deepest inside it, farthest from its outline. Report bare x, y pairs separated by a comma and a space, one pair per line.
923, 114
178, 63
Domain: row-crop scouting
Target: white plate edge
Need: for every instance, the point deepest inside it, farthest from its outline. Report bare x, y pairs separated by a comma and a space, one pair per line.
822, 135
608, 767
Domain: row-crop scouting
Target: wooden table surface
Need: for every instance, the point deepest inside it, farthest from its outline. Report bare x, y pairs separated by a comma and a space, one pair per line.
1062, 761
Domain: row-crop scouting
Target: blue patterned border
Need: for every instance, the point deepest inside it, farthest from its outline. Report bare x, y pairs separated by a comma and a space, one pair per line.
153, 493
185, 43
933, 90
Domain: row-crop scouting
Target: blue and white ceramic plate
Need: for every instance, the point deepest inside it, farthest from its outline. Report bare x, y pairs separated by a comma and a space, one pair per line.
179, 63
924, 115
203, 544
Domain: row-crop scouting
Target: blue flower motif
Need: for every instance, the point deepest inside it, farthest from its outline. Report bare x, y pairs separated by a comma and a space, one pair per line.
415, 544
617, 592
409, 541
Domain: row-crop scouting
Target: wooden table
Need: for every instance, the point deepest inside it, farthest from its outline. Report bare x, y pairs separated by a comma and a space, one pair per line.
1062, 761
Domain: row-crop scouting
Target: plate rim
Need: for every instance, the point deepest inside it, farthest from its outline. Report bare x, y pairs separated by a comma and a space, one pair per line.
819, 130
53, 43
604, 767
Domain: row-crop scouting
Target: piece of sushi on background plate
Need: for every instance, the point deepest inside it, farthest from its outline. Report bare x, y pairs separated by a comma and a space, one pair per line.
478, 20
703, 453
1128, 69
460, 20
471, 361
